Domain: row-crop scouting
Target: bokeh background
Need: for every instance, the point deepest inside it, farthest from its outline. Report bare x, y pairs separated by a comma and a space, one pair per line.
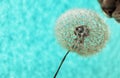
28, 46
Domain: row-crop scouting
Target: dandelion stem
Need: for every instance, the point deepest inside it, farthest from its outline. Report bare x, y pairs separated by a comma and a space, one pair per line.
61, 64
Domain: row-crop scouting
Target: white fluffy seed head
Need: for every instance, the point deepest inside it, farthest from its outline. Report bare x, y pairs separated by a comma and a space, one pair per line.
98, 31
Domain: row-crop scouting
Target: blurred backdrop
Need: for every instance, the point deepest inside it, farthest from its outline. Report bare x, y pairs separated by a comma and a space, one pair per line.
28, 47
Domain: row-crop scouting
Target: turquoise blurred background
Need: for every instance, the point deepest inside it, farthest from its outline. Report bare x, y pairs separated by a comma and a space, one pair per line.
28, 47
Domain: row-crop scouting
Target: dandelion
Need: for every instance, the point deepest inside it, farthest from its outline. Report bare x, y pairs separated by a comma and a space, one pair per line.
81, 31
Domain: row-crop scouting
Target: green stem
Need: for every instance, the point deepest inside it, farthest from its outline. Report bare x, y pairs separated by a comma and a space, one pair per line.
61, 64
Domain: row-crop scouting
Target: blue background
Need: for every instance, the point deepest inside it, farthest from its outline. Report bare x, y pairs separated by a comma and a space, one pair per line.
28, 47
